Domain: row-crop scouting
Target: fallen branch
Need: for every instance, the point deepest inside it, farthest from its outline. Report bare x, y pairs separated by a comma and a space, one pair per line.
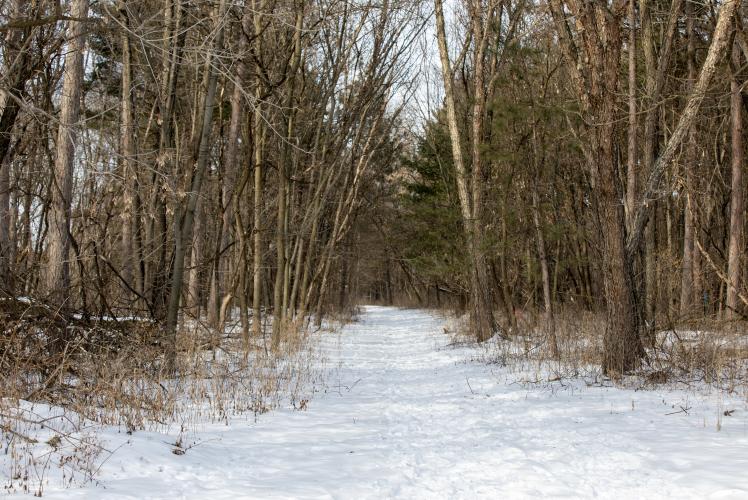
721, 275
682, 410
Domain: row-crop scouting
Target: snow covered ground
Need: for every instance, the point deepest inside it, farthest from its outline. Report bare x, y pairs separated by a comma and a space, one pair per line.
405, 416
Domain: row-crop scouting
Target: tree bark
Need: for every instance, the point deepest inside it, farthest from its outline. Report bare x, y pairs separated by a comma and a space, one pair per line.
259, 134
57, 276
231, 169
283, 170
127, 146
6, 242
156, 232
593, 54
17, 70
632, 158
550, 324
737, 195
688, 297
652, 187
184, 227
481, 314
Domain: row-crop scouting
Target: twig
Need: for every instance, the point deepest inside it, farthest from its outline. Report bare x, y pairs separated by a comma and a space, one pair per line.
468, 384
6, 428
682, 410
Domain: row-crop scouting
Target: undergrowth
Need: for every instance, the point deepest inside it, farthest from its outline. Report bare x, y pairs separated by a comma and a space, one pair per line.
62, 379
710, 355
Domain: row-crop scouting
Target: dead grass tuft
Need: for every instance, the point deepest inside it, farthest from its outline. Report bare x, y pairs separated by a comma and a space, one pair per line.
61, 379
708, 355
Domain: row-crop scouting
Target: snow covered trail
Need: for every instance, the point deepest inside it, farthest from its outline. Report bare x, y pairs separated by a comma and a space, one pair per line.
404, 416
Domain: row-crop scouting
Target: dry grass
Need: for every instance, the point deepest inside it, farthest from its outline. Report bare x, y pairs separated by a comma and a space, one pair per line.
706, 355
61, 380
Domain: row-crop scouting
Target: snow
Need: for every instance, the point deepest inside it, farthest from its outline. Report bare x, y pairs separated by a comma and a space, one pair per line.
668, 338
404, 415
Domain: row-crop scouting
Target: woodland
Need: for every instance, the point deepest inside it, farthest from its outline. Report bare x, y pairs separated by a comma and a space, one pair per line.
180, 178
191, 190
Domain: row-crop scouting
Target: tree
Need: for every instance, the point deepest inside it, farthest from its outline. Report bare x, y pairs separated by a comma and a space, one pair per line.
737, 196
481, 304
593, 64
186, 218
594, 68
57, 275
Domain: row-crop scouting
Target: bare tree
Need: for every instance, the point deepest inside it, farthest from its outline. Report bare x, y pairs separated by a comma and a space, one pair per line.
186, 218
57, 275
737, 196
481, 313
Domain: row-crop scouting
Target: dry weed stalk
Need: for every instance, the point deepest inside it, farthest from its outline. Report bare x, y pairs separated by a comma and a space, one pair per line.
85, 375
712, 354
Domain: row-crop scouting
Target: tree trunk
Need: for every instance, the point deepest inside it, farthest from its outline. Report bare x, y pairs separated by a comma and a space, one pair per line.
127, 145
655, 71
545, 275
283, 169
5, 223
231, 168
17, 70
594, 59
622, 346
737, 205
687, 117
632, 158
259, 134
184, 227
57, 276
157, 270
481, 314
688, 297
193, 297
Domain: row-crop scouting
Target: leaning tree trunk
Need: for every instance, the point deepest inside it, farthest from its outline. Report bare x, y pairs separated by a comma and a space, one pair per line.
156, 273
231, 168
57, 276
686, 119
184, 226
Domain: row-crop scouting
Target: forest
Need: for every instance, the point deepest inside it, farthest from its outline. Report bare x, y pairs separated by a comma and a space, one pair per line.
194, 189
